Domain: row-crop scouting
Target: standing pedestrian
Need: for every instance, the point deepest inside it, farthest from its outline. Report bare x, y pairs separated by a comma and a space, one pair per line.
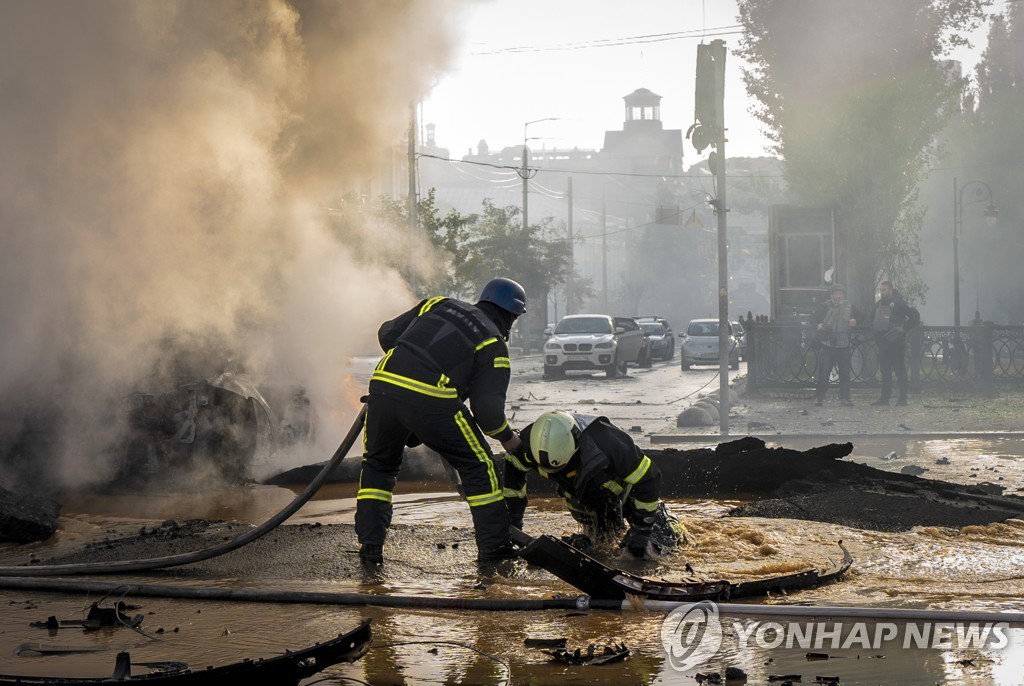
439, 354
833, 321
890, 321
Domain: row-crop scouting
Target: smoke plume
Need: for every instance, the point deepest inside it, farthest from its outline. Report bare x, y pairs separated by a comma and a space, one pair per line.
164, 175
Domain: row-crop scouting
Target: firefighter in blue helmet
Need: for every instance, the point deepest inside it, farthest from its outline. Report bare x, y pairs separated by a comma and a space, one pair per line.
438, 355
605, 479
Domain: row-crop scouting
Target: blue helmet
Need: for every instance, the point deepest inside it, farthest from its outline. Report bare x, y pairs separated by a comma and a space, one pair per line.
506, 294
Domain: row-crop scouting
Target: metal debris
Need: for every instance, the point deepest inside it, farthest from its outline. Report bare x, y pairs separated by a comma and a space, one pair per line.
33, 648
97, 618
616, 652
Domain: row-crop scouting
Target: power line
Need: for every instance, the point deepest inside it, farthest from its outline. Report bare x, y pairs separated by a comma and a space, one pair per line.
732, 29
555, 170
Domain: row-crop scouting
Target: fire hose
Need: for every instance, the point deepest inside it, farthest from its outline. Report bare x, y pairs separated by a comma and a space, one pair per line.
207, 553
580, 603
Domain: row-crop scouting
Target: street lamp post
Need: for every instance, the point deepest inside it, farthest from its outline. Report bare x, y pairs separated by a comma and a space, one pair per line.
525, 173
982, 193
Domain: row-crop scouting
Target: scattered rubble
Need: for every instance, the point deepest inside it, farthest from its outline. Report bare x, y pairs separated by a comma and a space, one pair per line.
615, 652
27, 517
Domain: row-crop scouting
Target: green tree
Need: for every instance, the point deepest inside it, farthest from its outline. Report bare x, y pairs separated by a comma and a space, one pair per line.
498, 245
853, 96
475, 248
989, 146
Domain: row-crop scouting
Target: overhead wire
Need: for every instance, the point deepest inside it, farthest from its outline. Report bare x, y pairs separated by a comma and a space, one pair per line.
729, 30
588, 172
548, 192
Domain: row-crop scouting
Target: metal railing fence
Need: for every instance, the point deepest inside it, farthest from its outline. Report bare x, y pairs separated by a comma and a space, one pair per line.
976, 358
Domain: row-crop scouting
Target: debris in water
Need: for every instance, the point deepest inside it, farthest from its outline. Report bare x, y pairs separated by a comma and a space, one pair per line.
44, 649
615, 652
98, 617
735, 675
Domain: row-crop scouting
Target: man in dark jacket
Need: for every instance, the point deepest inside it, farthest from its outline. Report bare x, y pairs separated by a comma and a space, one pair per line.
889, 321
833, 321
439, 354
605, 479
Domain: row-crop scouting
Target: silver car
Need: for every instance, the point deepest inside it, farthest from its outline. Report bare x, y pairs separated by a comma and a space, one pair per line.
700, 344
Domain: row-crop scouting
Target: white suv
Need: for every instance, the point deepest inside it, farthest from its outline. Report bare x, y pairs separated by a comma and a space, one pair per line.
595, 341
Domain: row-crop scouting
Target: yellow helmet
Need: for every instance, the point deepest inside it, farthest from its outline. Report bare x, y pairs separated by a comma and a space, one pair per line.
554, 439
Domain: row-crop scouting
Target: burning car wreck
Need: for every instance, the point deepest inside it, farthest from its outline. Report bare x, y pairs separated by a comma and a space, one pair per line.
222, 426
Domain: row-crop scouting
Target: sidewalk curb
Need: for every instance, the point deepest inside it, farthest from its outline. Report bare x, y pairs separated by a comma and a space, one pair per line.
835, 437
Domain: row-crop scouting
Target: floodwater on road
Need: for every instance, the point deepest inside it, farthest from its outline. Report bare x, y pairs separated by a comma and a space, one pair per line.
430, 552
976, 568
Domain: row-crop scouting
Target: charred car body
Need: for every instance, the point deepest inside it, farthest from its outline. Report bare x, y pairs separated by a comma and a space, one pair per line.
221, 426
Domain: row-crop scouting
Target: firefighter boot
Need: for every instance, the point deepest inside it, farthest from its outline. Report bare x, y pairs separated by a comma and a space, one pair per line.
371, 554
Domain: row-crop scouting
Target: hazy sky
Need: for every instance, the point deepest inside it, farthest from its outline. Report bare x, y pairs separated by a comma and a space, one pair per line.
522, 60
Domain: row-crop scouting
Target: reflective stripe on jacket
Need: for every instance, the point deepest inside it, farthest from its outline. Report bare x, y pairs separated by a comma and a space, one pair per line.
447, 350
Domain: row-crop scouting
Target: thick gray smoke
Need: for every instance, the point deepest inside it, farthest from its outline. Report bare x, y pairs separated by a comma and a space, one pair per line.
164, 169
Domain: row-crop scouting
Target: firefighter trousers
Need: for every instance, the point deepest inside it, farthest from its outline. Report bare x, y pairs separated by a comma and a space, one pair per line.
447, 427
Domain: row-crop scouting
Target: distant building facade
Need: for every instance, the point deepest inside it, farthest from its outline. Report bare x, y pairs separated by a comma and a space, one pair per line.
645, 239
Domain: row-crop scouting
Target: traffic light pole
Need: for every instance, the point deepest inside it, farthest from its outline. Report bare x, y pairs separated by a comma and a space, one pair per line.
723, 290
711, 82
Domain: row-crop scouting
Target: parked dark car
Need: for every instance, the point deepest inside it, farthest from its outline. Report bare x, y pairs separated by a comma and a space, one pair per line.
663, 342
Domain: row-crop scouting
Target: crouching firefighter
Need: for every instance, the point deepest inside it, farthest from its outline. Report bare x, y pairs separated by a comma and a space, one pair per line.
439, 354
605, 479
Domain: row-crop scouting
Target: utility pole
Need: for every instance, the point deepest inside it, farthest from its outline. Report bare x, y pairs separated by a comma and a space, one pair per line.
569, 276
709, 129
604, 252
526, 175
413, 218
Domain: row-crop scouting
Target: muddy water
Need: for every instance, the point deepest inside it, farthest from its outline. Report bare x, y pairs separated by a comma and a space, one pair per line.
430, 553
